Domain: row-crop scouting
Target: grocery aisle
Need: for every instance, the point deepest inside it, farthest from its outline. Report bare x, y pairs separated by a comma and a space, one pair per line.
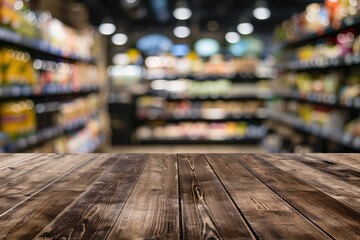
90, 76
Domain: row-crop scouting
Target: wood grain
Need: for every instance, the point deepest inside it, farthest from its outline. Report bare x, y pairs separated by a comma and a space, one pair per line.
151, 212
337, 170
9, 159
333, 217
31, 217
93, 215
24, 187
26, 167
350, 159
334, 187
269, 215
185, 196
207, 210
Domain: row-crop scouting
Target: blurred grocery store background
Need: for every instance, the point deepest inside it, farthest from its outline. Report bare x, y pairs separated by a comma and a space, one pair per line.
179, 76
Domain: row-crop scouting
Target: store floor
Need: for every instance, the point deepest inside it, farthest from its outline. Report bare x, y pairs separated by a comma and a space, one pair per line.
187, 149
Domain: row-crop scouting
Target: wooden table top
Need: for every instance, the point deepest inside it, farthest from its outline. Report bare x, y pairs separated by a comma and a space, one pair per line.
180, 196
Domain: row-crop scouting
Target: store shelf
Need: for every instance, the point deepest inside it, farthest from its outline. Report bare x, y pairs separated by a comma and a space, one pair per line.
245, 140
246, 77
329, 31
38, 46
339, 137
214, 98
45, 135
324, 99
190, 119
51, 90
349, 61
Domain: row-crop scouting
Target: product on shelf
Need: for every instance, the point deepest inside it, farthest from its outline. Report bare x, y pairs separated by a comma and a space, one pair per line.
184, 88
201, 131
87, 139
158, 108
17, 118
317, 17
80, 108
69, 40
16, 68
351, 88
353, 128
65, 75
15, 16
171, 66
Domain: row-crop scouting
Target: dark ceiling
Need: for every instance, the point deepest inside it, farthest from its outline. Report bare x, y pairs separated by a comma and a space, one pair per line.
144, 15
155, 16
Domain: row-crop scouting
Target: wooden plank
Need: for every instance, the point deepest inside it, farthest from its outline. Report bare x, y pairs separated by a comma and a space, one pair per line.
337, 170
207, 210
338, 189
334, 217
9, 159
26, 167
269, 215
32, 216
152, 210
22, 188
350, 159
93, 215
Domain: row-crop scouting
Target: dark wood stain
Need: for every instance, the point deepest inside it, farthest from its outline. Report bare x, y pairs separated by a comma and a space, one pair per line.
31, 217
208, 212
335, 218
350, 159
27, 185
151, 211
93, 215
185, 196
7, 160
338, 170
269, 215
334, 187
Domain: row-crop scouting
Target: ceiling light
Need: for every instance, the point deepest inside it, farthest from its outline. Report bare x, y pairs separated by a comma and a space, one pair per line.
261, 10
232, 37
245, 28
119, 39
182, 10
107, 27
181, 31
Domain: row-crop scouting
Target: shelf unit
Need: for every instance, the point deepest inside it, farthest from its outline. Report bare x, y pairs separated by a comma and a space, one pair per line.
329, 31
324, 99
234, 77
54, 90
175, 98
337, 101
39, 47
324, 64
338, 137
51, 93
